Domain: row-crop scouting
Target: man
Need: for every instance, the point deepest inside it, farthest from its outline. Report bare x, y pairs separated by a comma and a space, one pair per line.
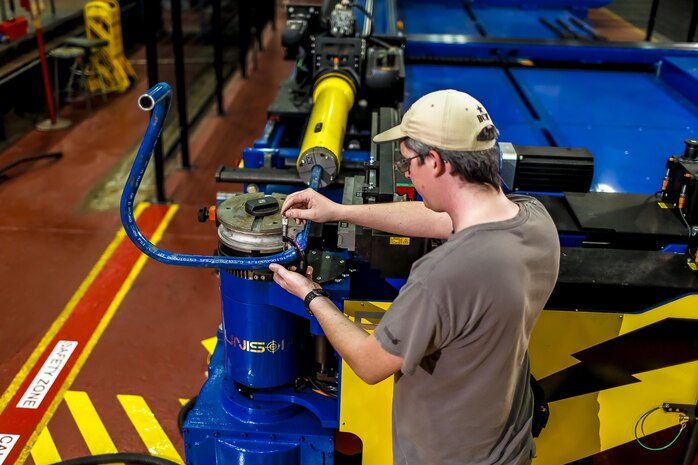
456, 336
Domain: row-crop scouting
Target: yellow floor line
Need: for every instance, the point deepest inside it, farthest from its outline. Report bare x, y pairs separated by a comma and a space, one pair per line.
89, 423
135, 271
44, 451
63, 316
148, 428
210, 344
183, 401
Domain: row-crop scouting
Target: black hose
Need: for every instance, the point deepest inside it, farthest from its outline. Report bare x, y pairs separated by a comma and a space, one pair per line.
184, 412
119, 457
367, 15
5, 168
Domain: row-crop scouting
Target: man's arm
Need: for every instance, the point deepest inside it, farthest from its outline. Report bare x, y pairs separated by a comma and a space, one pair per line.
361, 350
401, 218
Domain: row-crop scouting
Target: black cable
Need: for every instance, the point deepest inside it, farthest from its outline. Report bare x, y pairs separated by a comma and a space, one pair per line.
184, 411
641, 423
323, 389
300, 254
119, 457
368, 16
381, 42
685, 222
5, 168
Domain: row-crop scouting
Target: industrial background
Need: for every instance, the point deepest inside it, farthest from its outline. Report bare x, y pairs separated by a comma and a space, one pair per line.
105, 350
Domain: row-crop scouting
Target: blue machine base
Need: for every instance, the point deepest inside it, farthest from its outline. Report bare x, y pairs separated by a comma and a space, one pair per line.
288, 435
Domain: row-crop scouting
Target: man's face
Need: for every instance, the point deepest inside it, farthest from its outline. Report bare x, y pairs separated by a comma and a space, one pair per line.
412, 169
405, 163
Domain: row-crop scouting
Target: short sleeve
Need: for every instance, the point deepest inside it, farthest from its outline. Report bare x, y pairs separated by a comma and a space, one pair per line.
413, 327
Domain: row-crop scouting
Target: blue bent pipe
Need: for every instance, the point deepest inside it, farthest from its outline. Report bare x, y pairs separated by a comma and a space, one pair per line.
158, 99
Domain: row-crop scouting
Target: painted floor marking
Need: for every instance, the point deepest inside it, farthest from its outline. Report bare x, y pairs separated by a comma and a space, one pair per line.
82, 321
44, 451
148, 428
89, 423
210, 344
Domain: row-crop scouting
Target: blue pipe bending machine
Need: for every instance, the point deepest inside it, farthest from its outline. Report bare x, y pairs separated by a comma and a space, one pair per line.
605, 136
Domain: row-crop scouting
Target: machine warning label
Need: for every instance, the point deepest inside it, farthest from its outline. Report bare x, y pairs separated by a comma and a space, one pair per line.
7, 442
47, 375
399, 241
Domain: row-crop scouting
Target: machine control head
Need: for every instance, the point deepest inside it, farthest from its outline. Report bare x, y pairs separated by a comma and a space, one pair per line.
691, 150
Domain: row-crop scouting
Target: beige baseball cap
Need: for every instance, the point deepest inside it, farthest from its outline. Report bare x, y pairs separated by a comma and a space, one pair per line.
446, 119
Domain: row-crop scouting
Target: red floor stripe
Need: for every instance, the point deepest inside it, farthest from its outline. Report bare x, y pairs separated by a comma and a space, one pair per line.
26, 409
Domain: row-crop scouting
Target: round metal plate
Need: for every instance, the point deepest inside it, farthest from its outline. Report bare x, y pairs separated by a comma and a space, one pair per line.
243, 232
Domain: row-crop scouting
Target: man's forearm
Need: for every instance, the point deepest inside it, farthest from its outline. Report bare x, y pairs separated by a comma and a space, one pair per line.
402, 218
358, 348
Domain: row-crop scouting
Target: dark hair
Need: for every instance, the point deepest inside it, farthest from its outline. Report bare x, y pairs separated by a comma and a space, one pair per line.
476, 166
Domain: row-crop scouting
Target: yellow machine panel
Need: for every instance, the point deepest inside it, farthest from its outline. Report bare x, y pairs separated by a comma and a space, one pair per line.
365, 410
580, 425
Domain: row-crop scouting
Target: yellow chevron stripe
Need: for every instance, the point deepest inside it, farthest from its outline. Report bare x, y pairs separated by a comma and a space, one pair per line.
89, 423
120, 295
209, 344
44, 451
148, 428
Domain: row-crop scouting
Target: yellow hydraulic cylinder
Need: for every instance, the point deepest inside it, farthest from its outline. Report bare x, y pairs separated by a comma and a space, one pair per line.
333, 97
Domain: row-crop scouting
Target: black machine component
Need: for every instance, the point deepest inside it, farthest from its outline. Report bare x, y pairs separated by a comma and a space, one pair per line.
681, 180
623, 281
339, 53
301, 19
680, 191
385, 75
546, 169
380, 177
619, 221
328, 41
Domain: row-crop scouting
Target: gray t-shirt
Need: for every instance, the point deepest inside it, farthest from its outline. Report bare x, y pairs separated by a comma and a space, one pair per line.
462, 323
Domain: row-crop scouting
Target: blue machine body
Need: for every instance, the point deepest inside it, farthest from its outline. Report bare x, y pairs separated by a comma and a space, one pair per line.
273, 422
261, 342
631, 121
226, 427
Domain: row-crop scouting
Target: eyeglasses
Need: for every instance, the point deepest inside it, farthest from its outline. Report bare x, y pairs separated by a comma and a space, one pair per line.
403, 164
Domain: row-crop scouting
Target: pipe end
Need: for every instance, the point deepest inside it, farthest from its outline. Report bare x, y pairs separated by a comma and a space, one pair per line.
146, 102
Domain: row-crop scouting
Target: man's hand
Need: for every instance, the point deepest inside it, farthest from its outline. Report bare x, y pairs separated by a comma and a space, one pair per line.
309, 205
293, 282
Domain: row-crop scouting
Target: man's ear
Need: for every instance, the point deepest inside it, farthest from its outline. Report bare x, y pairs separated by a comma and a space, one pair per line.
438, 163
